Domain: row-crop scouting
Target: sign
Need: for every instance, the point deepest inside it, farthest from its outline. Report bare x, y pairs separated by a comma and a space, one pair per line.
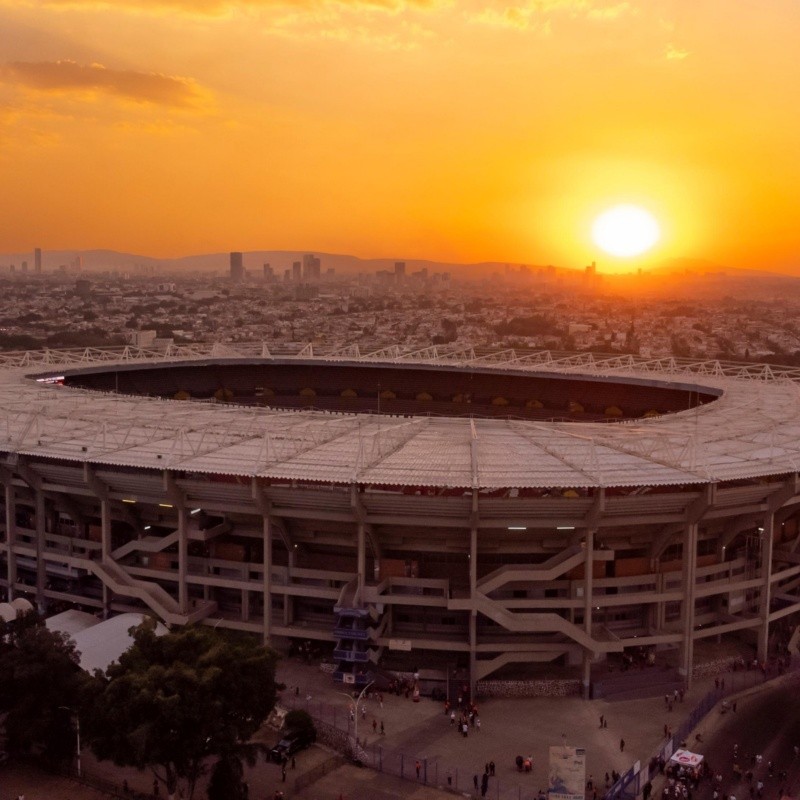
348, 677
567, 773
400, 644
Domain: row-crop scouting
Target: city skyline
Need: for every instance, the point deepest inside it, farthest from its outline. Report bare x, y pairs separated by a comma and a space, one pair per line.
469, 132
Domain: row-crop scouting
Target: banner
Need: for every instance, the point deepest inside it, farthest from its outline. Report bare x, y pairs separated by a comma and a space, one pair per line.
567, 775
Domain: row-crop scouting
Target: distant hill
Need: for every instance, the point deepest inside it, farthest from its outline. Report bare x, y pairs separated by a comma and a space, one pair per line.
99, 260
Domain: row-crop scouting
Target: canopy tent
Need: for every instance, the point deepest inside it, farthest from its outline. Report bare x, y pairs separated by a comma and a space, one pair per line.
686, 758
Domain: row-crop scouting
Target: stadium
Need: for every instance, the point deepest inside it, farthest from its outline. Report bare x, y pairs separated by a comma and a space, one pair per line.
478, 510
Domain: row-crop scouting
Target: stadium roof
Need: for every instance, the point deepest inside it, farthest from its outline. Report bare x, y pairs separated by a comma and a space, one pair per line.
751, 430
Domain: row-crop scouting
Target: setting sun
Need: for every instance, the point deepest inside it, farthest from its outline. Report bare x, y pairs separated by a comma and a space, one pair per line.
625, 231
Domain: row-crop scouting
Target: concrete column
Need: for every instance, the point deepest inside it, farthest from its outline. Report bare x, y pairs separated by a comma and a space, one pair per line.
288, 600
361, 558
267, 580
473, 614
41, 574
11, 535
588, 591
766, 587
105, 548
183, 558
245, 605
689, 556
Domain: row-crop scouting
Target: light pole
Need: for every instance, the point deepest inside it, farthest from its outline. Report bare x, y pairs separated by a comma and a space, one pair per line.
355, 715
77, 737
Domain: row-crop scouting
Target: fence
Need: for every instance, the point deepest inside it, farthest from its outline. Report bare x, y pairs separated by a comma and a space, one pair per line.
403, 764
630, 783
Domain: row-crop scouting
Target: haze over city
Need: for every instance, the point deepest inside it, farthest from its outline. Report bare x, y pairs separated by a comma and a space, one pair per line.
463, 132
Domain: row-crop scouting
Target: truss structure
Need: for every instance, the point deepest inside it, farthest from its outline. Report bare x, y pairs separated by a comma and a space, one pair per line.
751, 430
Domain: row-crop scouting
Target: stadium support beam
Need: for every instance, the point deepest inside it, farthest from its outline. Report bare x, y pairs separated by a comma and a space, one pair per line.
267, 580
689, 557
265, 507
766, 581
41, 575
473, 589
11, 533
177, 498
105, 547
588, 587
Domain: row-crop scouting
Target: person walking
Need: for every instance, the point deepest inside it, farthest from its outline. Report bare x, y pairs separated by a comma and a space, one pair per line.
417, 767
475, 781
622, 745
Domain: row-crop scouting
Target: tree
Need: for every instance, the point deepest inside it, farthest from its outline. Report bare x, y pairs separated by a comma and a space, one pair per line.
174, 701
299, 720
41, 686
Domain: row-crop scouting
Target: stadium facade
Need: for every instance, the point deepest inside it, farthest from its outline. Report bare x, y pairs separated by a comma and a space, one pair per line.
488, 508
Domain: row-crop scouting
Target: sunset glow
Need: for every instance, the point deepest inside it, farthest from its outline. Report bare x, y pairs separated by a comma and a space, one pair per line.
401, 128
625, 231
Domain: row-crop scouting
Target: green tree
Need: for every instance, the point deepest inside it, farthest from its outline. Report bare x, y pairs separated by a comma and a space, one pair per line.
174, 701
299, 720
41, 685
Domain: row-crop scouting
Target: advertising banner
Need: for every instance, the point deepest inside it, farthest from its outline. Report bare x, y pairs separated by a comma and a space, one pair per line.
567, 775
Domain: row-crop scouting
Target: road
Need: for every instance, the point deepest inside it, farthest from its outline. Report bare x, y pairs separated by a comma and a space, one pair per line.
766, 722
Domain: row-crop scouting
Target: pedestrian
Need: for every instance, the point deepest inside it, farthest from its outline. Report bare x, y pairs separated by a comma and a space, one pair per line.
383, 730
605, 722
374, 726
601, 720
475, 781
666, 700
491, 768
363, 712
452, 717
294, 763
417, 767
622, 745
646, 790
283, 774
156, 789
449, 778
716, 683
478, 724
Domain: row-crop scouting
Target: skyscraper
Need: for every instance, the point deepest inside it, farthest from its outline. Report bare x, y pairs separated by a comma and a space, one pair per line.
311, 268
237, 268
37, 260
297, 274
399, 271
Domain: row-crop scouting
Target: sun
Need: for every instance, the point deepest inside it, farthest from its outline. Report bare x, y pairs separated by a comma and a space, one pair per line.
625, 231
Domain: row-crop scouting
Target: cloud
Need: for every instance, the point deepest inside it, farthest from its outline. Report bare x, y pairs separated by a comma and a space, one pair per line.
226, 7
69, 76
674, 53
536, 14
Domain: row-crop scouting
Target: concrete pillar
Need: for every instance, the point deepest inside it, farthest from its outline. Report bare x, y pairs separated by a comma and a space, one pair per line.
288, 600
105, 549
41, 574
766, 587
183, 559
689, 556
11, 535
361, 558
588, 591
473, 614
267, 580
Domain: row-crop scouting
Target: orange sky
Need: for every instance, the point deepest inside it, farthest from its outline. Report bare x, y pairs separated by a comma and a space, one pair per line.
441, 129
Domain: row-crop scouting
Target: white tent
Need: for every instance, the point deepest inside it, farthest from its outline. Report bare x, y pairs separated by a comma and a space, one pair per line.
686, 758
101, 644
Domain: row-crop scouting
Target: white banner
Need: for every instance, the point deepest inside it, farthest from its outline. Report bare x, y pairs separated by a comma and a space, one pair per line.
567, 776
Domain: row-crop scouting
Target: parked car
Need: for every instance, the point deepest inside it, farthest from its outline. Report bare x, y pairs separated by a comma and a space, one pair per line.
292, 742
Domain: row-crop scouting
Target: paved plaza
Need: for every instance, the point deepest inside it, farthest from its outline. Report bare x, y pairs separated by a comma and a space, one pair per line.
421, 731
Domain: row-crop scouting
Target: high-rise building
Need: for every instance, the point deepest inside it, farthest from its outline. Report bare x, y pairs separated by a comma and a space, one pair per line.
399, 271
37, 260
311, 268
297, 274
269, 275
237, 267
